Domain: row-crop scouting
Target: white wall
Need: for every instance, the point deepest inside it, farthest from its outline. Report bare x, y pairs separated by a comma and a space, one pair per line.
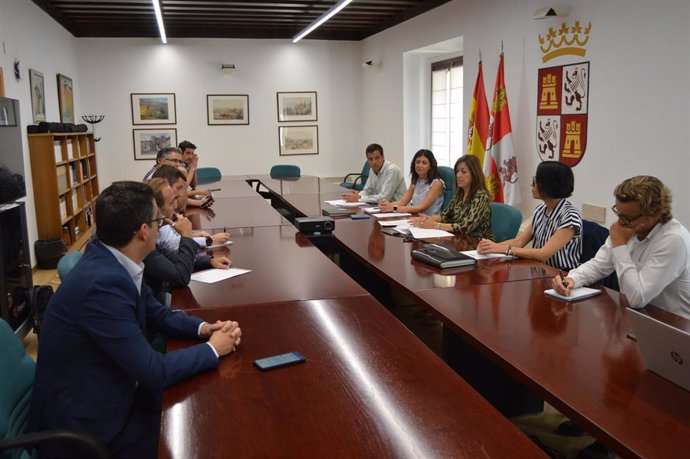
639, 104
111, 69
33, 37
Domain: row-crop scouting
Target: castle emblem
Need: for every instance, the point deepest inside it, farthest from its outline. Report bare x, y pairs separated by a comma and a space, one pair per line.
562, 104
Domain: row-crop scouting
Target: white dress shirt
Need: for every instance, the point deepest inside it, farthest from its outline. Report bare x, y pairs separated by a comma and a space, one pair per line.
388, 184
655, 270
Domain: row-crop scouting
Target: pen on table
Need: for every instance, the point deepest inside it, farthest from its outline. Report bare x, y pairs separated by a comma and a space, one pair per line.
563, 282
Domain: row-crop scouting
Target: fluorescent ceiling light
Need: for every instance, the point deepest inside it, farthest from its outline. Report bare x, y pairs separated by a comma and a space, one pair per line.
159, 19
325, 17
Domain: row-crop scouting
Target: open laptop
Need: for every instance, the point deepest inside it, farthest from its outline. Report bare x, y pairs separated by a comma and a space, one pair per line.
665, 349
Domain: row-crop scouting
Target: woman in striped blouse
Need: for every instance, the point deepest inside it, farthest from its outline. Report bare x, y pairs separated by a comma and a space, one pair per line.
556, 227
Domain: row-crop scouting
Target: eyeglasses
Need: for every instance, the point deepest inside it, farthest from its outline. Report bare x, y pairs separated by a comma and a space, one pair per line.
158, 220
625, 218
176, 161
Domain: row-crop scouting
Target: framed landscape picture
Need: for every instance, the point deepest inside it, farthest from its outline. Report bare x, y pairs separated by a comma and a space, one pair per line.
298, 140
297, 106
147, 142
65, 98
38, 96
153, 108
225, 109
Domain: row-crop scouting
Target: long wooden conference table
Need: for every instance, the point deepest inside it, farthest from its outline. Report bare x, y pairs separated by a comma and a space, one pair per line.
369, 387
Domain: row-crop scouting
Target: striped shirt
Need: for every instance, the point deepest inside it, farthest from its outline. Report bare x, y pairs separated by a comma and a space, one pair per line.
544, 226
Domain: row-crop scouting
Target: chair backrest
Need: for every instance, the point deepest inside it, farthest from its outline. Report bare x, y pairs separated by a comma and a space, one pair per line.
505, 221
66, 264
208, 174
593, 237
366, 169
448, 177
16, 381
285, 171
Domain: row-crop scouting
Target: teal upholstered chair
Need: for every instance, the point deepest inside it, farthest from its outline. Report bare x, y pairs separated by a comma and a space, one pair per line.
356, 180
285, 171
16, 382
208, 174
66, 264
448, 177
505, 221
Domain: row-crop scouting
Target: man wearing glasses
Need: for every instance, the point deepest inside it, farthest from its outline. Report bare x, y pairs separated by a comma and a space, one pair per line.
647, 247
96, 371
172, 156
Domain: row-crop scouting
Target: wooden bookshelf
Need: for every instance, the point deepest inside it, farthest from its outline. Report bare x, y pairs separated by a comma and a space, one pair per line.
65, 178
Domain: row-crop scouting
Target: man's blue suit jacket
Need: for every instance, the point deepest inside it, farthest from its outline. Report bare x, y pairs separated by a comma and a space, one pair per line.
93, 353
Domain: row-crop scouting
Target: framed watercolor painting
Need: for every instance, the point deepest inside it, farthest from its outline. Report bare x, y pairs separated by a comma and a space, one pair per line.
38, 95
298, 140
297, 106
153, 108
147, 142
65, 98
223, 109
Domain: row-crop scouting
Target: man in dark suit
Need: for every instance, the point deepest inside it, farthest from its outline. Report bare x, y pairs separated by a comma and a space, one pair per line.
96, 371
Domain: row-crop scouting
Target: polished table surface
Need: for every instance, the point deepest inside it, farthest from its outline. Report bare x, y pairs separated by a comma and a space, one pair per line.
577, 357
285, 266
390, 257
368, 389
238, 212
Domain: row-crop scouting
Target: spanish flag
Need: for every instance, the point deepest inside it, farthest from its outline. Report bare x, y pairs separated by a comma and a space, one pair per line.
477, 132
504, 174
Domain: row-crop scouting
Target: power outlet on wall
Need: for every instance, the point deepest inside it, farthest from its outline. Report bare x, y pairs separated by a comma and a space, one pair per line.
594, 213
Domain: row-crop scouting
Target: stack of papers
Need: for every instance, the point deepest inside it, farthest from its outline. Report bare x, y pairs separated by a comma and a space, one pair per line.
397, 223
213, 275
478, 256
372, 210
343, 203
424, 233
392, 214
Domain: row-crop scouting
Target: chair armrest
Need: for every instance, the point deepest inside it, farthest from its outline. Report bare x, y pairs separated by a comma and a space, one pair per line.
357, 174
89, 445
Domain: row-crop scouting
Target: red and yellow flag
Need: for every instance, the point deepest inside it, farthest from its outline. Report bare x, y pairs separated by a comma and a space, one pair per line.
504, 172
477, 132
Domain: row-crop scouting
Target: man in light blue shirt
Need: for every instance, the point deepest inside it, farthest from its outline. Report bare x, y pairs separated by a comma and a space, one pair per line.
385, 181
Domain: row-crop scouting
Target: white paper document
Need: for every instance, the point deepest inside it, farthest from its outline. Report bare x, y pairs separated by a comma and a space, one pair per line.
404, 223
391, 214
213, 275
343, 203
372, 210
575, 294
478, 256
424, 233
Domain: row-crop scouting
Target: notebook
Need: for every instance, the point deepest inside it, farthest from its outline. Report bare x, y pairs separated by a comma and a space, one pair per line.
575, 294
442, 257
665, 349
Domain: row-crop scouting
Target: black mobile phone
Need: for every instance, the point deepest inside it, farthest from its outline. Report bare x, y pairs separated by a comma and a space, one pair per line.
277, 361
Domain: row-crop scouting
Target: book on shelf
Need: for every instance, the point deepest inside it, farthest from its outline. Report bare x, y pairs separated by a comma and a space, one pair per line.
442, 256
70, 150
75, 203
57, 151
63, 208
62, 183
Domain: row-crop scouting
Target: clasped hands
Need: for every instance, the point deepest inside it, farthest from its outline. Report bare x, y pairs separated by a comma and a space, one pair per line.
224, 336
488, 246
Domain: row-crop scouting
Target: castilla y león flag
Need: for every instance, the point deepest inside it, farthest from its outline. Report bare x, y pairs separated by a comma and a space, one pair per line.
503, 175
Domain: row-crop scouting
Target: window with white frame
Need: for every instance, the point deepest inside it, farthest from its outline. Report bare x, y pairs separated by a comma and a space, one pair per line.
446, 110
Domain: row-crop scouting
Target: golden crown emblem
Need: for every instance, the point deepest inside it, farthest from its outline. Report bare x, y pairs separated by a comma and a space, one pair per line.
564, 41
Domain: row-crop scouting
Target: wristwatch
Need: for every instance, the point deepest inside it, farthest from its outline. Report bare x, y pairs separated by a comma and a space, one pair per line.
209, 241
438, 226
395, 208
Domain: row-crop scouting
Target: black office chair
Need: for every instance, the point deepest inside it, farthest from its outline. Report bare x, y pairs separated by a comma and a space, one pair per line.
16, 382
593, 237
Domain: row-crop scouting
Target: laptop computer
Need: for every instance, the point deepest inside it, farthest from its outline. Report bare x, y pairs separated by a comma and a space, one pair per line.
665, 349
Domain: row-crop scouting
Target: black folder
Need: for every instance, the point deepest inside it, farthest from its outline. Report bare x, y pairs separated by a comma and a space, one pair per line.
442, 257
